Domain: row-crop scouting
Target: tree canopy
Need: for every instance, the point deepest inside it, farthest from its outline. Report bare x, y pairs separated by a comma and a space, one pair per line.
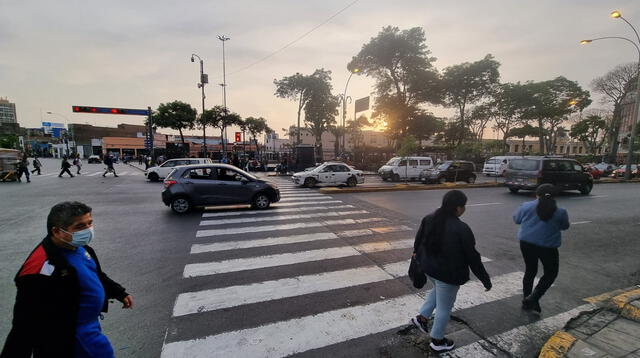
591, 131
176, 115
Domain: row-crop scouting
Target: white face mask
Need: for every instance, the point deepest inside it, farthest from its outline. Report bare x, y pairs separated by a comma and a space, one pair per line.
82, 237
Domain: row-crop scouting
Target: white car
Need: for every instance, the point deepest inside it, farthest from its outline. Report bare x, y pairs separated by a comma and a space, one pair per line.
161, 171
398, 168
329, 173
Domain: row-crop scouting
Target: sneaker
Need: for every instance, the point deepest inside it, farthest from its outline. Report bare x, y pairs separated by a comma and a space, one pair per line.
420, 324
531, 305
441, 345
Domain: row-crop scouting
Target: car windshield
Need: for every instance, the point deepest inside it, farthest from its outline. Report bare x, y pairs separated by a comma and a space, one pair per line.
393, 161
524, 164
248, 175
309, 169
443, 166
492, 161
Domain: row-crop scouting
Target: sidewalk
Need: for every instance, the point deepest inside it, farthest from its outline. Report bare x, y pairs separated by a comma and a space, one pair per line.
612, 330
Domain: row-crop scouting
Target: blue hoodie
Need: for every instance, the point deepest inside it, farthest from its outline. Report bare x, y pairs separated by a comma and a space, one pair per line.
538, 232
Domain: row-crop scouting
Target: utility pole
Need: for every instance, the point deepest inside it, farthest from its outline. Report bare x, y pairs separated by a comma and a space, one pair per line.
204, 79
223, 38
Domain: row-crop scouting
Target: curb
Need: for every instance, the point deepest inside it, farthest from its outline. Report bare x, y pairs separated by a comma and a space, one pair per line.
406, 187
625, 303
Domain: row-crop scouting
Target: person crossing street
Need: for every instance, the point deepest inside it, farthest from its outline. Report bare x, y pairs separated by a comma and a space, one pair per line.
23, 168
36, 166
65, 165
78, 163
108, 161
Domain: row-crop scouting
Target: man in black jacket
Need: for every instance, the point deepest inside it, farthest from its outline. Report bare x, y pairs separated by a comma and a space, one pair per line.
61, 292
64, 166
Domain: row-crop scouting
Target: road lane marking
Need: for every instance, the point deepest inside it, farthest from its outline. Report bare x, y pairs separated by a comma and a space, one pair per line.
591, 197
519, 339
483, 204
215, 299
94, 174
274, 210
281, 217
284, 240
287, 195
401, 268
281, 227
314, 197
279, 204
580, 222
287, 337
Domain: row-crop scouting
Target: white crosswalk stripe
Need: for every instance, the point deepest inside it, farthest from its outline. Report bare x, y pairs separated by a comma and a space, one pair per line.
281, 217
273, 210
280, 204
313, 197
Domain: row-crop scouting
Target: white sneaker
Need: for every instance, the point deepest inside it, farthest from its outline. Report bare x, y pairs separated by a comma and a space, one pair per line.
441, 345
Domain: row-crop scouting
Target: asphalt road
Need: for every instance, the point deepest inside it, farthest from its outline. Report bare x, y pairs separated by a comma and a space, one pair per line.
319, 275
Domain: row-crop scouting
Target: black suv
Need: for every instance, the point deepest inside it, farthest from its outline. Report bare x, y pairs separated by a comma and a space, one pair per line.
529, 172
216, 184
450, 171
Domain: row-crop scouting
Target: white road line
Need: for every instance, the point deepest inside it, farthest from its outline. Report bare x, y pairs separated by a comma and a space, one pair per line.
590, 197
274, 210
518, 340
292, 195
215, 299
292, 336
384, 245
45, 175
281, 217
581, 222
314, 197
284, 240
94, 174
401, 268
281, 227
279, 204
212, 268
123, 173
483, 204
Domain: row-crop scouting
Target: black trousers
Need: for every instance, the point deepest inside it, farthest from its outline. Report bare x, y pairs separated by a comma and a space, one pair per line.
24, 171
65, 170
550, 261
36, 169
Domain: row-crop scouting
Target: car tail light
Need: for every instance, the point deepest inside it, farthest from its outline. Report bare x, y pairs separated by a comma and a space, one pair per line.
169, 183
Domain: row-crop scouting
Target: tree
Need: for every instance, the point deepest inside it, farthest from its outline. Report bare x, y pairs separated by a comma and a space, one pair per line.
551, 103
615, 85
9, 141
590, 131
321, 108
220, 117
401, 64
354, 129
256, 127
300, 88
176, 115
509, 103
523, 132
469, 83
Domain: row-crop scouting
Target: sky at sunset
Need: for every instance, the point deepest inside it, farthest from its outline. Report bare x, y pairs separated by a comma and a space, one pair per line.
134, 54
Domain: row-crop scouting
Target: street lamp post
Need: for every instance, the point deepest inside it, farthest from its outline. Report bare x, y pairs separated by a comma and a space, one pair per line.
66, 135
617, 15
224, 39
204, 79
344, 107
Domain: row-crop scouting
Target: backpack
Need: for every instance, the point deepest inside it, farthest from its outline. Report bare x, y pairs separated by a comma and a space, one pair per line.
75, 162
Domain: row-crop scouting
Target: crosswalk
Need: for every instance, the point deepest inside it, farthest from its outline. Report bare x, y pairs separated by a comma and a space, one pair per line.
299, 277
133, 172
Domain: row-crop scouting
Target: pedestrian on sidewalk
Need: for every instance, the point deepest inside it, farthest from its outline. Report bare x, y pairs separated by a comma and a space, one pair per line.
77, 162
108, 161
445, 251
23, 168
62, 292
541, 222
65, 167
36, 166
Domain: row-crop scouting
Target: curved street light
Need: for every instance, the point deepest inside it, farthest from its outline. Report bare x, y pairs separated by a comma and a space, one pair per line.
224, 39
618, 15
203, 81
344, 107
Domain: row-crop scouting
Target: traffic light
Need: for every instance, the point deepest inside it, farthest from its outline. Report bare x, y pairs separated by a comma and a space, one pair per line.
238, 137
109, 110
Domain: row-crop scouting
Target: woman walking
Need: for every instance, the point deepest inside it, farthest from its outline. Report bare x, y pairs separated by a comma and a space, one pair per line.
540, 224
445, 250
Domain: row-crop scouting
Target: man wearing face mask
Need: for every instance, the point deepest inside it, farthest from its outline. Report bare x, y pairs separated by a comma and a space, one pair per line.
62, 292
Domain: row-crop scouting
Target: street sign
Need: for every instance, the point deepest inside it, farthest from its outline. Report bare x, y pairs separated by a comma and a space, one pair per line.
362, 104
110, 110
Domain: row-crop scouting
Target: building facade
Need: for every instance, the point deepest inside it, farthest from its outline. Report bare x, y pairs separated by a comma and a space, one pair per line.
8, 117
367, 138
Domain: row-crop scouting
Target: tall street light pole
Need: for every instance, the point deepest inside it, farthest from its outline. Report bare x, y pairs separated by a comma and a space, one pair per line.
204, 79
66, 123
224, 39
344, 108
617, 15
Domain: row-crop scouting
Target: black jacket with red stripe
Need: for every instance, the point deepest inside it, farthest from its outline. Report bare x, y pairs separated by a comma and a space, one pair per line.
47, 302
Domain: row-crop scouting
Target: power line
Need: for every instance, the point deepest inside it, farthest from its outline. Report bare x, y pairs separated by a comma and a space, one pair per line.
296, 40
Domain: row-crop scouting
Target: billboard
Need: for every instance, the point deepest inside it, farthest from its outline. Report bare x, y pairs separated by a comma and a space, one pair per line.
55, 129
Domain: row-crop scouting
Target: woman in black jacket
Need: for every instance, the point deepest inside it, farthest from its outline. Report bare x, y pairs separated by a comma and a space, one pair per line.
445, 250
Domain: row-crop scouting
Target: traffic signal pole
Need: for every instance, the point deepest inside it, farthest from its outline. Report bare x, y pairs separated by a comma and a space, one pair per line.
150, 131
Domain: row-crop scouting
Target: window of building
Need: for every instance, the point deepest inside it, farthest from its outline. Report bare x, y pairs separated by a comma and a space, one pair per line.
562, 149
516, 148
531, 147
579, 150
573, 150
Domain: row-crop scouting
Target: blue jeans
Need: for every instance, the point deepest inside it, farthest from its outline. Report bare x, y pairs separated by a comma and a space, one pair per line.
441, 298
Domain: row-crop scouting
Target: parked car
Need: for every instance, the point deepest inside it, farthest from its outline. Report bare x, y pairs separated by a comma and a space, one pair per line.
329, 173
593, 170
619, 172
94, 159
564, 173
189, 186
497, 165
450, 171
399, 168
161, 171
605, 168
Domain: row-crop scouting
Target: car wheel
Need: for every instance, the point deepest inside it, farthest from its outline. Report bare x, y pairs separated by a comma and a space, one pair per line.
180, 205
261, 201
153, 177
396, 177
442, 180
471, 179
514, 190
309, 182
352, 182
586, 189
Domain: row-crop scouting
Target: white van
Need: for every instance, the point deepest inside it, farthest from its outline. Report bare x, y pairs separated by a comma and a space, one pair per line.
497, 165
161, 171
398, 168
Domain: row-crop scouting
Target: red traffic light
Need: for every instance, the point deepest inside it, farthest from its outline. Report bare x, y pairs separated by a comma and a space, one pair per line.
238, 137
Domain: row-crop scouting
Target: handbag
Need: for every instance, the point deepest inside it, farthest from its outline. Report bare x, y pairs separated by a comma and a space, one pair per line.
418, 278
